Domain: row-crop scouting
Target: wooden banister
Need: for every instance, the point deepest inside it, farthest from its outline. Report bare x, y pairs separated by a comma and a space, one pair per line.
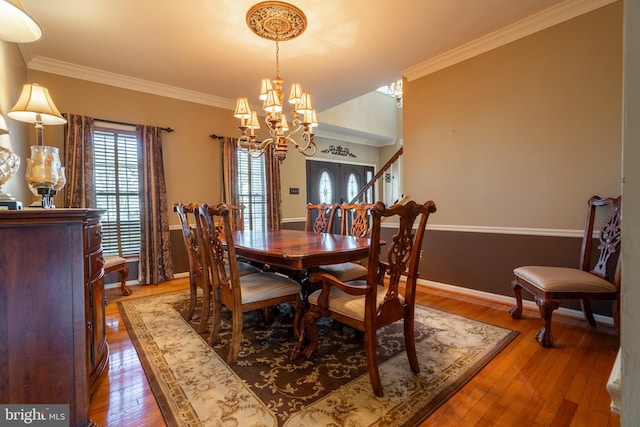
377, 175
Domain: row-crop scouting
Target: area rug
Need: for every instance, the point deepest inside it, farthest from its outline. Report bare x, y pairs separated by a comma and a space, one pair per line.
194, 386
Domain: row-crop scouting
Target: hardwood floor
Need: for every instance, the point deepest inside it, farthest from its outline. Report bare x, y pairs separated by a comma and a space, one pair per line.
525, 385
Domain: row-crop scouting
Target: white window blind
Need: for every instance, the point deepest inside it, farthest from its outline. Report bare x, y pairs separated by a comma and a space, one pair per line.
117, 190
252, 190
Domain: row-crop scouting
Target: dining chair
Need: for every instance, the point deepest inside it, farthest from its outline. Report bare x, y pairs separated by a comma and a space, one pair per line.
379, 300
550, 285
355, 221
238, 293
237, 217
196, 279
320, 217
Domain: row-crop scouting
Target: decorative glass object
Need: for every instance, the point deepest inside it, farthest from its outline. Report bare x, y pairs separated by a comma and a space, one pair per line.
9, 164
45, 175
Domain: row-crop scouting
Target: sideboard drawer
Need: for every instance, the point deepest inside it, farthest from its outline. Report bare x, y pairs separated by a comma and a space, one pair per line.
94, 237
95, 261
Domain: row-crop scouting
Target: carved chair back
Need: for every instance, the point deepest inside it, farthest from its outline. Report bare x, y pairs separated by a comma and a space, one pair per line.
607, 263
189, 238
214, 229
402, 258
320, 217
355, 219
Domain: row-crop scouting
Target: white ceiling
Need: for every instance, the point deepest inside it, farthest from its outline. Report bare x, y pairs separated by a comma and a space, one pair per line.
204, 49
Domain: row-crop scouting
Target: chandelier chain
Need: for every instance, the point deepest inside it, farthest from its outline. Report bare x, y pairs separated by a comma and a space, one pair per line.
277, 57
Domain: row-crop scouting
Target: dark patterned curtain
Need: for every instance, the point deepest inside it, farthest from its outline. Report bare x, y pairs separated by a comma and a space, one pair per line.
155, 255
274, 200
79, 192
230, 171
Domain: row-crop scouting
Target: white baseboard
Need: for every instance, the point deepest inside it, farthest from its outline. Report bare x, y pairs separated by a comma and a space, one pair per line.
605, 320
117, 284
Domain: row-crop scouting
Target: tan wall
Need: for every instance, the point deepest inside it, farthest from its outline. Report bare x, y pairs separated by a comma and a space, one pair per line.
13, 74
523, 135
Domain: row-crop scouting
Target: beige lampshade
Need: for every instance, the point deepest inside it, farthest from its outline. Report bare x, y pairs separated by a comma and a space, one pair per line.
296, 93
272, 103
35, 105
310, 119
284, 124
304, 106
242, 108
253, 123
265, 86
16, 25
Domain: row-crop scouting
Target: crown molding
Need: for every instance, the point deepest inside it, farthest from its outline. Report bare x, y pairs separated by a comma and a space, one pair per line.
67, 69
547, 18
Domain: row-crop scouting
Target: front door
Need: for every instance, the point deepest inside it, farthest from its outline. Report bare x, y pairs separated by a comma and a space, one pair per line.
329, 182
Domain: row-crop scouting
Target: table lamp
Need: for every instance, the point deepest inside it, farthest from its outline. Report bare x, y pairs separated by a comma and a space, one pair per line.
44, 174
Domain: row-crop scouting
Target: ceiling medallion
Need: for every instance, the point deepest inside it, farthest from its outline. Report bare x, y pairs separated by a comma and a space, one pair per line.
276, 20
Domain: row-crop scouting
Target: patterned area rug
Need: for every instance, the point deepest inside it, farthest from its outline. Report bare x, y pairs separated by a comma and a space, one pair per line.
195, 387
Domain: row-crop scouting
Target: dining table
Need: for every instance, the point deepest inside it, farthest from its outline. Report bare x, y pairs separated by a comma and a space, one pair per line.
298, 251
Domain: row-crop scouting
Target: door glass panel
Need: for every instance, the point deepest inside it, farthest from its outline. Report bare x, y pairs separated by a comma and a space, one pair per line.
325, 188
352, 187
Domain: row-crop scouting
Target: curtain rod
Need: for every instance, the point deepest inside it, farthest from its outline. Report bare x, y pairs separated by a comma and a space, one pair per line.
214, 136
129, 124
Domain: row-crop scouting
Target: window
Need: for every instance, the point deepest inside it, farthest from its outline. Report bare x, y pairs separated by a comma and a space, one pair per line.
325, 188
352, 187
118, 190
252, 190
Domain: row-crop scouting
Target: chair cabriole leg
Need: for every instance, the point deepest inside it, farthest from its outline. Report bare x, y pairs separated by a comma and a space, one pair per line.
544, 336
371, 349
516, 312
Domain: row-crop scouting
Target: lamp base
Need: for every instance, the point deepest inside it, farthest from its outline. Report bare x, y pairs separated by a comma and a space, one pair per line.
10, 205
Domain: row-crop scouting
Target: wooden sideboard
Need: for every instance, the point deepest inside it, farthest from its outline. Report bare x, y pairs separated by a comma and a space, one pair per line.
52, 317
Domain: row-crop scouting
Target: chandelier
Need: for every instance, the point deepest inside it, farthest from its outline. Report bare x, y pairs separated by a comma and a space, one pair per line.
277, 21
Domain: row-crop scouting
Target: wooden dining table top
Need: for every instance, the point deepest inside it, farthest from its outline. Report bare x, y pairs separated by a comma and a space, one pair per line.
299, 250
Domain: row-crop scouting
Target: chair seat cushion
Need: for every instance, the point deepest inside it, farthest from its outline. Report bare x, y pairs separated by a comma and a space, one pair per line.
350, 305
562, 279
264, 286
112, 261
244, 268
345, 271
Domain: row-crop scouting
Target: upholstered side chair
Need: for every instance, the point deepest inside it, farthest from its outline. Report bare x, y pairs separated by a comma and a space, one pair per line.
354, 222
551, 285
196, 279
238, 293
320, 217
379, 300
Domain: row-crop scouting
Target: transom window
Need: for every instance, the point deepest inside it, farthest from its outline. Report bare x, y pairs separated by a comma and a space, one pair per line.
118, 190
